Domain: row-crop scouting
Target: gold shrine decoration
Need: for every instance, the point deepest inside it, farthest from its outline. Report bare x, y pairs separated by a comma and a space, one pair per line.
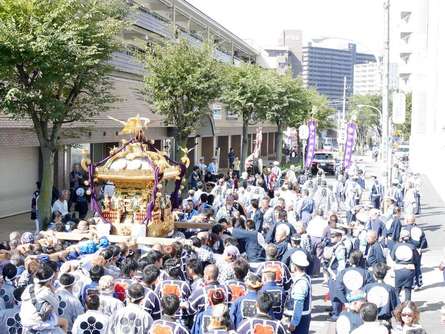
138, 203
133, 125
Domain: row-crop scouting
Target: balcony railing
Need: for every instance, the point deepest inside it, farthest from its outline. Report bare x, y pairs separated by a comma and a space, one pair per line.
124, 62
222, 56
152, 23
192, 40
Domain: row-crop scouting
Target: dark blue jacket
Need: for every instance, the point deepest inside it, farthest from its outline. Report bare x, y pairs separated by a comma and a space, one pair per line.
258, 218
375, 290
244, 307
255, 252
374, 254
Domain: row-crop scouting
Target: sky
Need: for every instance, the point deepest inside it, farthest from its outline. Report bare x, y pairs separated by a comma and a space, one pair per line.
261, 22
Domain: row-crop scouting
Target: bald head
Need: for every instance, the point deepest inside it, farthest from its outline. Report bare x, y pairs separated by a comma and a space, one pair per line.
371, 236
282, 232
271, 252
410, 219
211, 273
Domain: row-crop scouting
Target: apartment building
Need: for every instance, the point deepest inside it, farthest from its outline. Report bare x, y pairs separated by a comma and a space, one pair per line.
325, 69
153, 21
367, 79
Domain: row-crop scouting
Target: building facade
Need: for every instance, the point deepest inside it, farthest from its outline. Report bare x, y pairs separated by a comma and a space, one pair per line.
427, 149
327, 68
154, 21
405, 18
367, 79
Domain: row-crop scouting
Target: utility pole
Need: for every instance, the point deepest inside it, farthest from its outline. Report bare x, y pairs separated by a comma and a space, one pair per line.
386, 149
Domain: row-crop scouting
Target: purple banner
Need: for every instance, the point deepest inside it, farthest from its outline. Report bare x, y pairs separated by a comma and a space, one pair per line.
311, 142
351, 132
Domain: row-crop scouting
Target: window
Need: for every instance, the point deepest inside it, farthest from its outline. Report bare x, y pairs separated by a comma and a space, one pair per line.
217, 111
231, 115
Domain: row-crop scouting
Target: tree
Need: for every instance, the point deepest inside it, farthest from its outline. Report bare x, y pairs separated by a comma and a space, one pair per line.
53, 68
318, 108
288, 105
247, 93
366, 108
182, 81
405, 128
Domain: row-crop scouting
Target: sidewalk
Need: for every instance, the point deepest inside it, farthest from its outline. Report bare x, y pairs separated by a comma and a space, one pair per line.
21, 223
431, 298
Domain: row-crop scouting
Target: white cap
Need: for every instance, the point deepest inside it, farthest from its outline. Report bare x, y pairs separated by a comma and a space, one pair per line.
299, 259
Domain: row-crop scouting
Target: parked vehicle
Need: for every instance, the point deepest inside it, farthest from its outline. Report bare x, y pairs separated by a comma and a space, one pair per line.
325, 160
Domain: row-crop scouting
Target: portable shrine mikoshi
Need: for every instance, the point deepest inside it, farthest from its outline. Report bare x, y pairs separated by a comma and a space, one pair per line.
139, 205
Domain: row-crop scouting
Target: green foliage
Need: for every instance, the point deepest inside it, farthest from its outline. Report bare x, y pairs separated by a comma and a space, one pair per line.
247, 92
405, 129
182, 81
319, 109
366, 110
289, 103
53, 60
53, 68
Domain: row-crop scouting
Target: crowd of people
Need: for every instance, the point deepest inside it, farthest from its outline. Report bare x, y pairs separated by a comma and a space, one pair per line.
269, 234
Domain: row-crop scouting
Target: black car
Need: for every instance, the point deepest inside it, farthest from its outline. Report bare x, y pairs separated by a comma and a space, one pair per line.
325, 161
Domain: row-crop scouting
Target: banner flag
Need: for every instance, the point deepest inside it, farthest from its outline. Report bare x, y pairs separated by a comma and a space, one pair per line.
351, 133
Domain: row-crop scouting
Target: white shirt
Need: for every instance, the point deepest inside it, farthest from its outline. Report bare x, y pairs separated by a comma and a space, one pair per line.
61, 207
371, 328
317, 227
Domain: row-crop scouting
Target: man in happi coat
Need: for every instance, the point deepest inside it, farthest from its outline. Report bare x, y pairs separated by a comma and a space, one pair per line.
202, 319
151, 302
199, 299
69, 305
10, 321
383, 295
108, 303
92, 320
262, 322
406, 259
350, 318
132, 318
418, 239
352, 278
168, 323
174, 286
245, 306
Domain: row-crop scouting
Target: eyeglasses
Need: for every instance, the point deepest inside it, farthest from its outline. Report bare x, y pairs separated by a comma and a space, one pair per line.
407, 315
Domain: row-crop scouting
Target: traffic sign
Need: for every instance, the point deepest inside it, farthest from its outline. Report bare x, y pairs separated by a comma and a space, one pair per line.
303, 132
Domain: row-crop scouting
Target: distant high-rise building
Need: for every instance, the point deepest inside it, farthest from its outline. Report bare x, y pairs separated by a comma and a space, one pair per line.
325, 69
367, 79
288, 55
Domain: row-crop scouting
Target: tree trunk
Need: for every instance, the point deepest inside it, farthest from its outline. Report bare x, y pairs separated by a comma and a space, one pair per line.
180, 141
46, 187
244, 144
279, 142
